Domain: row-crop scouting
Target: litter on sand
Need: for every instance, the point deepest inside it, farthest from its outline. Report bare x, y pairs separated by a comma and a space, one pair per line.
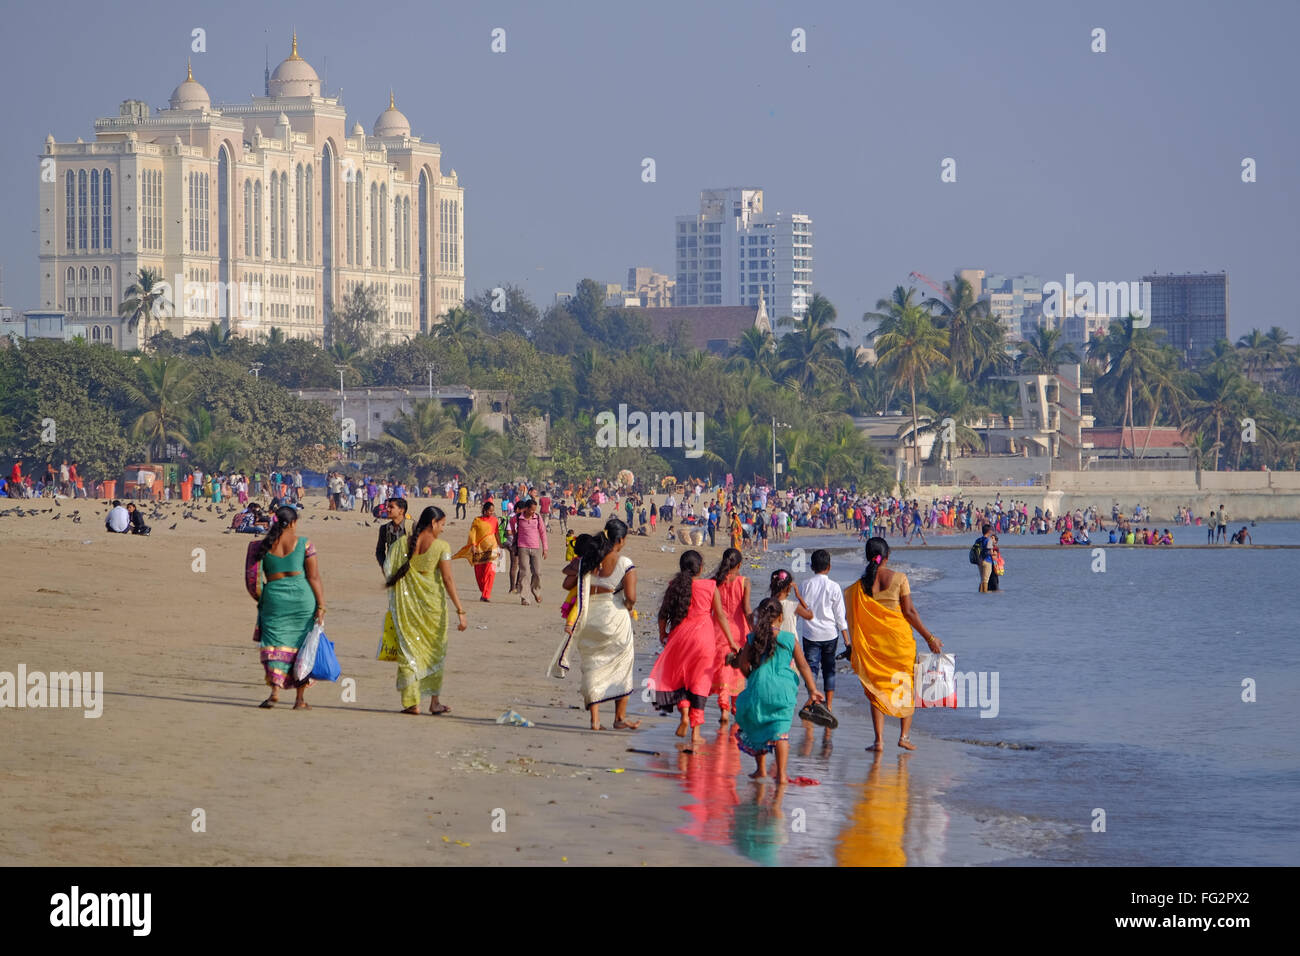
615, 770
805, 782
648, 753
514, 719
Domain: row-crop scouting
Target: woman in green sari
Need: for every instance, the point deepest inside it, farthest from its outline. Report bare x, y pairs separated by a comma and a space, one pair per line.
415, 629
290, 603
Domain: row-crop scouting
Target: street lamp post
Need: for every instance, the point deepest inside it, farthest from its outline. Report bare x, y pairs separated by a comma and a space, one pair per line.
255, 369
775, 426
430, 366
339, 369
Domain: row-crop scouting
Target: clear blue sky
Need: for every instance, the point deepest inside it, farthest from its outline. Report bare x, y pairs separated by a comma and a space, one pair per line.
1107, 165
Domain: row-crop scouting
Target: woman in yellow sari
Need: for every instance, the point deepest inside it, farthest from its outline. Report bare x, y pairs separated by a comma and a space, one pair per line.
482, 549
881, 618
415, 630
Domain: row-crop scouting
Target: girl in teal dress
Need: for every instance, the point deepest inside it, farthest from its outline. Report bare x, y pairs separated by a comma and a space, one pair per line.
765, 708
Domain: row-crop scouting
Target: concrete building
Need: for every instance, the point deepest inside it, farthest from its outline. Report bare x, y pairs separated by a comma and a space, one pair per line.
732, 251
1014, 300
1055, 414
890, 435
1192, 310
266, 213
653, 289
370, 409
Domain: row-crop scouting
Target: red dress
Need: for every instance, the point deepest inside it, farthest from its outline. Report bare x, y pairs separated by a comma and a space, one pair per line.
683, 674
728, 681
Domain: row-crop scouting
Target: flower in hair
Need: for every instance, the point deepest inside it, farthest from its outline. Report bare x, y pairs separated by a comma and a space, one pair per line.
877, 559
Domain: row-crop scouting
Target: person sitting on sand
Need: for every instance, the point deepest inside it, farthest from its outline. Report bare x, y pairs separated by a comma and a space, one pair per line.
118, 520
765, 708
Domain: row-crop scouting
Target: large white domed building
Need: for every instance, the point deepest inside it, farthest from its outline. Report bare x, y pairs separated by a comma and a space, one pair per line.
269, 211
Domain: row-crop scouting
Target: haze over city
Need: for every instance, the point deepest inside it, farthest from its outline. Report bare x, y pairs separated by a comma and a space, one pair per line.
1107, 165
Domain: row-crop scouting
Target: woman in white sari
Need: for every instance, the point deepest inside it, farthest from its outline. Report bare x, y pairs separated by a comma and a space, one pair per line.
601, 625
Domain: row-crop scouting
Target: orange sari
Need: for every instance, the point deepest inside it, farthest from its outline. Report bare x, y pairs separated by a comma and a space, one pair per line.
884, 651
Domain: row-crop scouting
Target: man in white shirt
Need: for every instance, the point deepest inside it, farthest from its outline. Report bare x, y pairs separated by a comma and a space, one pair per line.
118, 520
821, 635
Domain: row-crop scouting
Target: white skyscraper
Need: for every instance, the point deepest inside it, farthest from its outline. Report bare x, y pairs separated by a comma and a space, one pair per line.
731, 252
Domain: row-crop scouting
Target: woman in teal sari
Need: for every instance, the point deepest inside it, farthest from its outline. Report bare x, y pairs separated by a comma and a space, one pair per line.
415, 629
291, 602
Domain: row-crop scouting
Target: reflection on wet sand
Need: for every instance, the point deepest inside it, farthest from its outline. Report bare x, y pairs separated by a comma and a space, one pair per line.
876, 827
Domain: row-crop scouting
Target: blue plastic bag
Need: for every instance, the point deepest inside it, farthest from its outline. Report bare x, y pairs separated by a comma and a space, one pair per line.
326, 666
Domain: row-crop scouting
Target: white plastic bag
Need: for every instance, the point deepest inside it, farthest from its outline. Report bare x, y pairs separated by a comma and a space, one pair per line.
503, 561
306, 659
936, 680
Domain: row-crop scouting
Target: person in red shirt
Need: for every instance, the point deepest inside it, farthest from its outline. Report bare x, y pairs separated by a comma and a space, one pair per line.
16, 474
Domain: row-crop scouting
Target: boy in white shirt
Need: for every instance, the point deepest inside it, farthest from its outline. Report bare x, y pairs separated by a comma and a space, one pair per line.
821, 635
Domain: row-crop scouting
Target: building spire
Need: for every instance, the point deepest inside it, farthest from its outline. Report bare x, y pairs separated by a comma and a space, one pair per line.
293, 53
189, 71
392, 103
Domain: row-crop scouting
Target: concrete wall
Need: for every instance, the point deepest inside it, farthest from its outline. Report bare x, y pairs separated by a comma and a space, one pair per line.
1247, 495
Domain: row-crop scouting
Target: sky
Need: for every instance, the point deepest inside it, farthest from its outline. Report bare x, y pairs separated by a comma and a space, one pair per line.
1107, 165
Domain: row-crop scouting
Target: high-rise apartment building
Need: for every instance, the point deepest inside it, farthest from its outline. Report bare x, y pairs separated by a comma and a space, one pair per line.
267, 212
1192, 310
732, 252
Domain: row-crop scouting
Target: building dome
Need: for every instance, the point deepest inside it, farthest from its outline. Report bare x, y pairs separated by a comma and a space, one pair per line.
190, 95
294, 77
392, 121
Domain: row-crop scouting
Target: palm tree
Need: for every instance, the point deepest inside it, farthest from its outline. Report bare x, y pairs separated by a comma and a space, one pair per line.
756, 347
1130, 354
946, 396
974, 336
146, 300
1222, 396
910, 349
424, 439
274, 335
810, 349
1045, 352
1255, 351
160, 395
458, 323
1163, 385
1199, 448
210, 444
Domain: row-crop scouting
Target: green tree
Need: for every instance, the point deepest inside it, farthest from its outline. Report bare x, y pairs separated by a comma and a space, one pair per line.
161, 398
975, 338
1043, 353
146, 301
910, 348
423, 440
358, 319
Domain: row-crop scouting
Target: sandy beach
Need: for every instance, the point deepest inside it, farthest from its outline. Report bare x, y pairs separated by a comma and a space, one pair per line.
346, 783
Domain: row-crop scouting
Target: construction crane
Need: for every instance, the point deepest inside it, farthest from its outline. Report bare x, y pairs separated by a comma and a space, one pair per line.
927, 280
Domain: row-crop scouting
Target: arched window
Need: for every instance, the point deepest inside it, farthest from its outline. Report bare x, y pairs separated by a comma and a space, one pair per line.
94, 333
108, 278
284, 217
248, 217
397, 232
83, 275
406, 233
348, 219
360, 187
108, 334
275, 214
70, 210
81, 210
383, 227
309, 228
374, 225
257, 220
300, 243
108, 209
72, 274
94, 209
94, 275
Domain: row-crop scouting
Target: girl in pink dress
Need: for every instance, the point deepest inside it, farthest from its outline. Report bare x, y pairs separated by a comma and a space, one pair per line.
733, 591
683, 675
